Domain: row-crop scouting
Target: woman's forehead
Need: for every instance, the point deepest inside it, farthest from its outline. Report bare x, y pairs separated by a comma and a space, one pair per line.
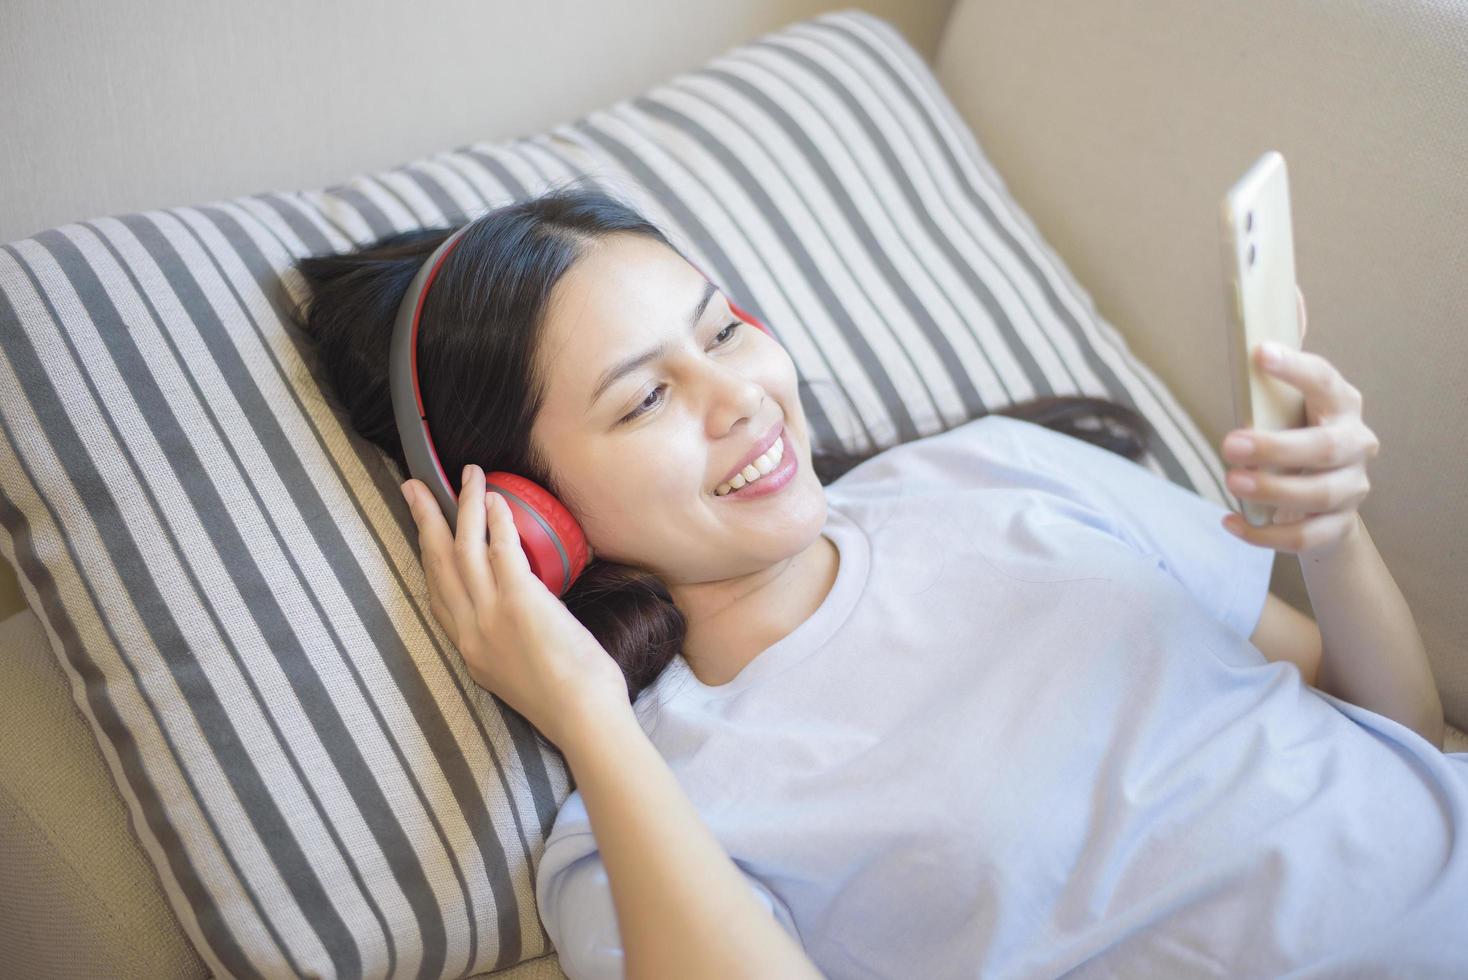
624, 296
626, 270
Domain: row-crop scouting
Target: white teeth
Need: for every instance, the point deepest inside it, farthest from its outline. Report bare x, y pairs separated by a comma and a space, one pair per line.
763, 464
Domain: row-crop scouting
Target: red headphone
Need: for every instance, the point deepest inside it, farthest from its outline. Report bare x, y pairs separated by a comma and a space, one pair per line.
552, 540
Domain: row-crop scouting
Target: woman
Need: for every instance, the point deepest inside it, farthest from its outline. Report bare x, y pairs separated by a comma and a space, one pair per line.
985, 703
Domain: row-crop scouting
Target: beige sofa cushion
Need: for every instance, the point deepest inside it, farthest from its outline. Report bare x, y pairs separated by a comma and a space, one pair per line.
78, 893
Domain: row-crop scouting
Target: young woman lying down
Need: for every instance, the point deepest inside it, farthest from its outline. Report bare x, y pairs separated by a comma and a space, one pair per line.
996, 701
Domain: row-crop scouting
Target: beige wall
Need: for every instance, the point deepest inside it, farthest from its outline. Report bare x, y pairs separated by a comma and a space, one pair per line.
116, 107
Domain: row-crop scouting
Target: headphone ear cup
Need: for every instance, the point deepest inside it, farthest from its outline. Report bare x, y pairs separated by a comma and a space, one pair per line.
553, 542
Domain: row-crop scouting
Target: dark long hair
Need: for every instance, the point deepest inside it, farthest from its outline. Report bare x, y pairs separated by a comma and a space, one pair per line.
482, 322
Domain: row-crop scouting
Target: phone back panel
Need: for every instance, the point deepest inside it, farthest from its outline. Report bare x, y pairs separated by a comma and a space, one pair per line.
1259, 272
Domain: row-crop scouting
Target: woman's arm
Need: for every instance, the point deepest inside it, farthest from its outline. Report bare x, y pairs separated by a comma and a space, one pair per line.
683, 908
1373, 655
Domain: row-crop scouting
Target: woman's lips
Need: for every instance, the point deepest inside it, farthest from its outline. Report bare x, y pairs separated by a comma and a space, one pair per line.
773, 481
772, 435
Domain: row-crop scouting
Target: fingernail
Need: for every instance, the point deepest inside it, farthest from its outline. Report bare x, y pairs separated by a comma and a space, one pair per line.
407, 493
1271, 353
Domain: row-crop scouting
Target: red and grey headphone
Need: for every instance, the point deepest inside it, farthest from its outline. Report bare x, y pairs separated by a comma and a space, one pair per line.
553, 542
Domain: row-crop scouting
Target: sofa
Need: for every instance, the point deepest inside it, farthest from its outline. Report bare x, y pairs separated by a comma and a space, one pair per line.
1117, 128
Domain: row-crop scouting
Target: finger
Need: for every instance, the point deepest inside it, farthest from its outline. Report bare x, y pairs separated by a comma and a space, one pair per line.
436, 547
1287, 515
1327, 393
469, 546
1320, 529
1311, 492
1312, 447
506, 554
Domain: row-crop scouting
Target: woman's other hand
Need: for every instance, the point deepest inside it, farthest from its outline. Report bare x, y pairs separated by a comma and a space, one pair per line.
1323, 464
518, 640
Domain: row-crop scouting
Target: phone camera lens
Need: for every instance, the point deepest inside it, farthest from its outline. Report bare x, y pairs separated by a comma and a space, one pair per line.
1251, 253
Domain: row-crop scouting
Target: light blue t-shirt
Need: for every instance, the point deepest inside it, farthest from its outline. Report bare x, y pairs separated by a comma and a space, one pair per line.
1026, 733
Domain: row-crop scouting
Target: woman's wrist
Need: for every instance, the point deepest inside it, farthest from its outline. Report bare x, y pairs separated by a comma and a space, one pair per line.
1373, 654
585, 721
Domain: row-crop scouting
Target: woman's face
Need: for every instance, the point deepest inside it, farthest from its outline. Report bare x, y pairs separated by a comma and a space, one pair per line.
640, 458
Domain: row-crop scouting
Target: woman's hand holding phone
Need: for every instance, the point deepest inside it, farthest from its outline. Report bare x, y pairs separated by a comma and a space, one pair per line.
1323, 464
518, 640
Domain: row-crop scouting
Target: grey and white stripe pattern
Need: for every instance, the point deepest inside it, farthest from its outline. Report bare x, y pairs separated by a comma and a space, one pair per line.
227, 572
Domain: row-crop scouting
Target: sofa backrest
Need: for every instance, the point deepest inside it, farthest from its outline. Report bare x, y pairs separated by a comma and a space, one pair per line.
1118, 127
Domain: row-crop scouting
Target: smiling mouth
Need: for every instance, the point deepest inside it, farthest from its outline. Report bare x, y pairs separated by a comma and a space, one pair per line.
780, 449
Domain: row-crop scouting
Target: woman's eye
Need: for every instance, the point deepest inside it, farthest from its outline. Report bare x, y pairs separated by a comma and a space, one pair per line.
646, 405
650, 403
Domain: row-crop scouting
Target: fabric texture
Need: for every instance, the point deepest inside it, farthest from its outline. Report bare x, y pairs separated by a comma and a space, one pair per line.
229, 576
1019, 740
80, 898
77, 890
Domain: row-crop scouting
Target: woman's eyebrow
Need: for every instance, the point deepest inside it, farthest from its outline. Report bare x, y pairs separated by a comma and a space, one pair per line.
633, 363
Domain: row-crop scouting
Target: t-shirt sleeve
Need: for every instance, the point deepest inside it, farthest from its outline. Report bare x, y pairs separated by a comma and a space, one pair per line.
574, 897
1158, 517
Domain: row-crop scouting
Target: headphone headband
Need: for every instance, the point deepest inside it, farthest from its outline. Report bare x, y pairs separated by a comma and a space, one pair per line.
553, 542
407, 397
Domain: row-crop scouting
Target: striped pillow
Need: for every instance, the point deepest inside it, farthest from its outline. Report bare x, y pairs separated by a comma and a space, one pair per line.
229, 575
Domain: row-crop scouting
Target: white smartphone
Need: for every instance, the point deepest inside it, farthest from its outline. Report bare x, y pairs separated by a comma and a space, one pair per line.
1259, 285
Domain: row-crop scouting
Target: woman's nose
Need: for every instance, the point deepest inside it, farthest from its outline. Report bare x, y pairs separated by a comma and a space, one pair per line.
738, 396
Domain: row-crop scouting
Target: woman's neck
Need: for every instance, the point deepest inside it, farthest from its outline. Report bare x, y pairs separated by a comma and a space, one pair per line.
726, 630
